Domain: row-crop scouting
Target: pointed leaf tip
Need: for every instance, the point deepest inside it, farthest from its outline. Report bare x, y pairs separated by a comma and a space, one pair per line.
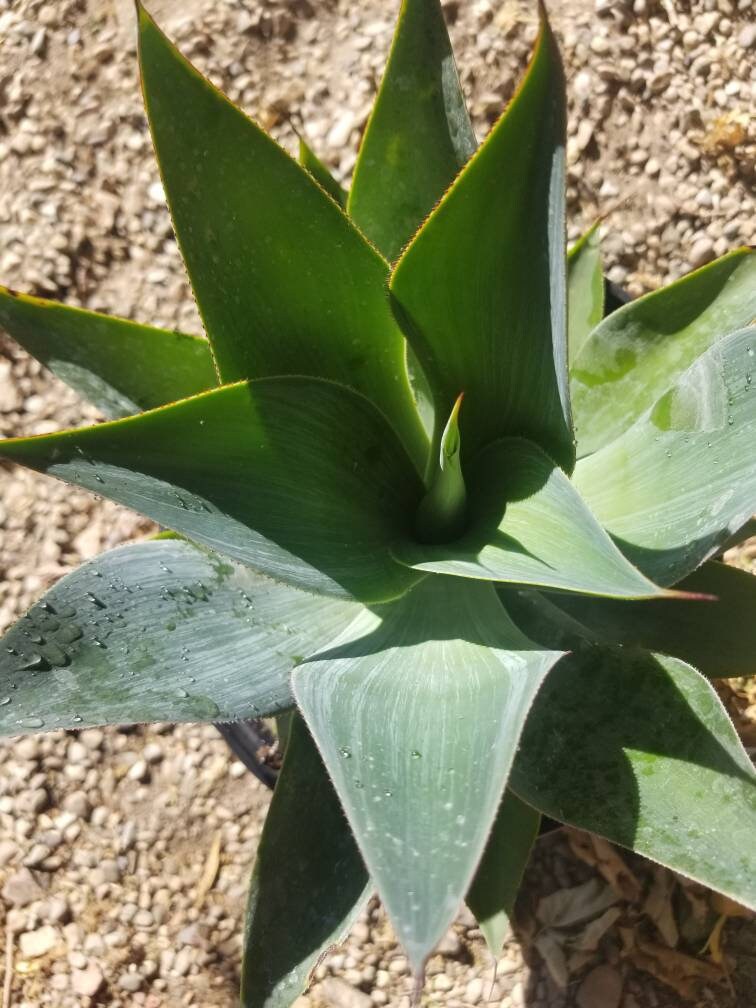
507, 348
686, 596
442, 512
286, 260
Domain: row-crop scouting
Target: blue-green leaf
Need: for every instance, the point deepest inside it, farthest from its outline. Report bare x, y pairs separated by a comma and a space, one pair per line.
585, 290
528, 525
642, 348
639, 749
674, 487
159, 631
417, 709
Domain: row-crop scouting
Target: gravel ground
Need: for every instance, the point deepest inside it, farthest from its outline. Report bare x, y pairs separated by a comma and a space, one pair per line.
124, 853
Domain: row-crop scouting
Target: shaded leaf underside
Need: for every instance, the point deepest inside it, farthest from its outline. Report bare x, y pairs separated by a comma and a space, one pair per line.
491, 897
717, 636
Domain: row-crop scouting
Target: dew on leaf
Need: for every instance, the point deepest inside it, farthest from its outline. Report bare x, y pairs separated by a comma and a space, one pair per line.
36, 664
31, 722
346, 752
415, 754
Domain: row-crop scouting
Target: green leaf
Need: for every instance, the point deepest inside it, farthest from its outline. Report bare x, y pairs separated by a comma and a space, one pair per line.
718, 637
538, 615
309, 160
480, 291
585, 290
284, 282
492, 895
675, 486
528, 525
417, 710
251, 470
442, 512
419, 133
638, 749
308, 885
119, 366
641, 349
423, 397
159, 631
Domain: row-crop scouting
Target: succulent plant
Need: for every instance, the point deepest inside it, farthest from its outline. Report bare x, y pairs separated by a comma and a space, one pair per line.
386, 519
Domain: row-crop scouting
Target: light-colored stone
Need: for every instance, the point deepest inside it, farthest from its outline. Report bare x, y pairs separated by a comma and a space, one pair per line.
22, 888
34, 944
88, 981
339, 994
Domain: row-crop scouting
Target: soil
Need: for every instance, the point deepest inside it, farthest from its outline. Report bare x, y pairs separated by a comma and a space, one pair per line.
125, 852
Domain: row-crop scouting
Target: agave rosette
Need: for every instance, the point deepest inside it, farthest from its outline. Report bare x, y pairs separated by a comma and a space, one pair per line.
481, 611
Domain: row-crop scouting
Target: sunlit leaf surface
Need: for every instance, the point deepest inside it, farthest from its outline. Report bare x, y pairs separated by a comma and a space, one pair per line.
417, 710
159, 631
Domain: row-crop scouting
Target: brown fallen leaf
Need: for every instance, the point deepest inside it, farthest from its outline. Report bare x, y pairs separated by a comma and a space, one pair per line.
589, 938
681, 972
601, 855
550, 945
728, 907
568, 907
210, 870
602, 988
658, 905
714, 942
695, 916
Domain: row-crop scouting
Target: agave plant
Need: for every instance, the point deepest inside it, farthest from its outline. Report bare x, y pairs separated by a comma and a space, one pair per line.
369, 467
